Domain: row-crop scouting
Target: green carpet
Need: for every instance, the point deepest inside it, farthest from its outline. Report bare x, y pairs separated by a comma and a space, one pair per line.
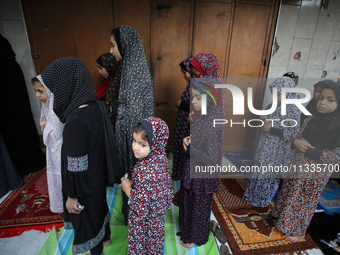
61, 242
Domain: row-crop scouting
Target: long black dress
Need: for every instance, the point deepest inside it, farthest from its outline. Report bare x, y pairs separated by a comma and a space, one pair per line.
83, 173
17, 125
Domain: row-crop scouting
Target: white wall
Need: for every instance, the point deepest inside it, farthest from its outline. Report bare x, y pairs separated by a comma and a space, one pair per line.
313, 31
12, 27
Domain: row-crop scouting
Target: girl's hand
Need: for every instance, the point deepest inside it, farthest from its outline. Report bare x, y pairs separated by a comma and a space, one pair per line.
266, 126
43, 126
302, 145
71, 205
126, 186
186, 142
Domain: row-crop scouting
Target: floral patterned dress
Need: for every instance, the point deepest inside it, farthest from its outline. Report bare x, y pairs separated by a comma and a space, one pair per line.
151, 195
53, 139
274, 149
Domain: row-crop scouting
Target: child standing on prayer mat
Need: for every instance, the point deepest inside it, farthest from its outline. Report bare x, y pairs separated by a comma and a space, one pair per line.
318, 144
274, 146
150, 190
52, 130
88, 156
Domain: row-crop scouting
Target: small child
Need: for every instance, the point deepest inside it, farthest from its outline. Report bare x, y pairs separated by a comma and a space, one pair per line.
150, 189
53, 138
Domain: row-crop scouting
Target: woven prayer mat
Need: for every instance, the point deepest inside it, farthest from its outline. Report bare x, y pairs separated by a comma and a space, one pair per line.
250, 230
34, 208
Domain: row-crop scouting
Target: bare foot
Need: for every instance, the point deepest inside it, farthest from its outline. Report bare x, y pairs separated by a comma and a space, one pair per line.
293, 239
187, 245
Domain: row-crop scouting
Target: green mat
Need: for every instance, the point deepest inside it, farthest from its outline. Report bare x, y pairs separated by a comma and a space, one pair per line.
61, 242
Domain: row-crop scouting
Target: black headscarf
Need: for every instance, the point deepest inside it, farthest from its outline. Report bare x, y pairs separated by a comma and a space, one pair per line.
323, 130
114, 69
6, 50
71, 82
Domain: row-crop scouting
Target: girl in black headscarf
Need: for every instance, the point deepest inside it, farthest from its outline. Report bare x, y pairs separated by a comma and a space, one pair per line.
17, 127
135, 99
108, 92
88, 153
317, 153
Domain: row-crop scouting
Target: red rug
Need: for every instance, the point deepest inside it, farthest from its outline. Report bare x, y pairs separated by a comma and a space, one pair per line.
250, 230
28, 208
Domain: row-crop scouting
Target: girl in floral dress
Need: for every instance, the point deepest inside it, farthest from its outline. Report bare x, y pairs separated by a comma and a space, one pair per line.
317, 143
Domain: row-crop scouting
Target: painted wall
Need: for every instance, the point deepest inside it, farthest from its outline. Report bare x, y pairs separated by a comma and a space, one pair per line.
12, 27
307, 42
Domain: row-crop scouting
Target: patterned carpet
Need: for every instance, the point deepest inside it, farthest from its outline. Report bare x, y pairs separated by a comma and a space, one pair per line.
28, 208
250, 230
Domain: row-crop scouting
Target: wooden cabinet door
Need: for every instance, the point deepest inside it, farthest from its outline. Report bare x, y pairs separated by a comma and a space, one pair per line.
252, 35
61, 28
170, 44
49, 32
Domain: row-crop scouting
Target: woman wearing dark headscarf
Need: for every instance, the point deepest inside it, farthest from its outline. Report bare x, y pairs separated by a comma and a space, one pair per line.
108, 93
205, 149
17, 124
88, 153
311, 106
135, 99
182, 123
317, 153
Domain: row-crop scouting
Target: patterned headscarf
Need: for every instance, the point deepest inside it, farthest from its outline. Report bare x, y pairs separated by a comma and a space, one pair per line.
185, 65
160, 135
284, 82
71, 83
293, 76
114, 69
208, 63
206, 140
135, 93
45, 107
47, 115
155, 166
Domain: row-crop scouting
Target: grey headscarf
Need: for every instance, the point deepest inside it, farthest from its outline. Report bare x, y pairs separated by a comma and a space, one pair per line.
135, 97
135, 93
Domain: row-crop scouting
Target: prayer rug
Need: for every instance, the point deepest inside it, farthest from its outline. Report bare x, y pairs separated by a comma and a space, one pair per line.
250, 230
28, 208
61, 242
330, 198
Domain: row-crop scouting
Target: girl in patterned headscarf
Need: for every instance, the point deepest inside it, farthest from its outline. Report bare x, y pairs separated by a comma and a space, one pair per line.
108, 91
135, 99
182, 123
53, 138
205, 147
205, 64
150, 190
88, 153
274, 146
316, 156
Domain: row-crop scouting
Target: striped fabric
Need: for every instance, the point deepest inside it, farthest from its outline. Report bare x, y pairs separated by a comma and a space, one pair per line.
60, 243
